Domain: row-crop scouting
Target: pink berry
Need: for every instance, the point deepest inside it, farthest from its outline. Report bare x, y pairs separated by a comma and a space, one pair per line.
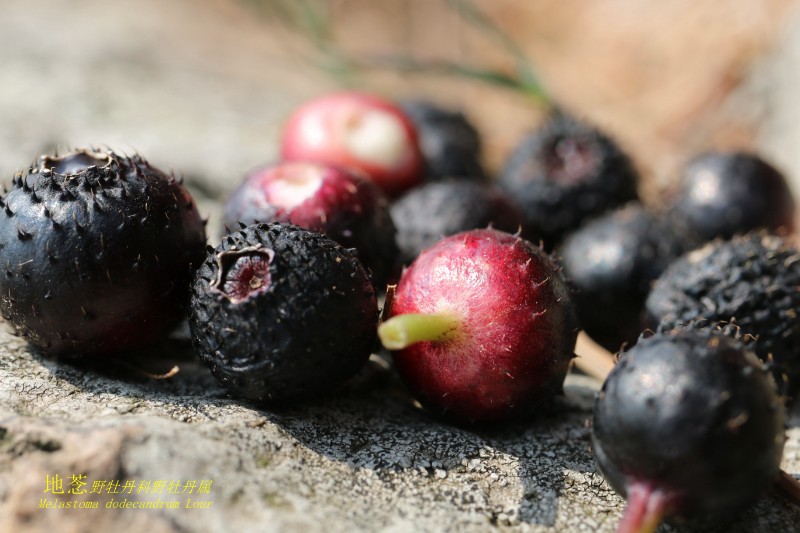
348, 208
482, 327
357, 130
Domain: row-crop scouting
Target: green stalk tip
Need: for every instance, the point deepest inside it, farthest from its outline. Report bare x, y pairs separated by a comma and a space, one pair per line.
402, 331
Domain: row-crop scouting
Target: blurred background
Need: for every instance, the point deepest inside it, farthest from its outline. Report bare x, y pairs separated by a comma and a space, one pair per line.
203, 86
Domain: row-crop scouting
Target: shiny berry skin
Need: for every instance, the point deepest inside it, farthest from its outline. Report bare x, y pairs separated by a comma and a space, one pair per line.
437, 209
98, 250
356, 130
345, 206
689, 423
512, 327
611, 263
726, 193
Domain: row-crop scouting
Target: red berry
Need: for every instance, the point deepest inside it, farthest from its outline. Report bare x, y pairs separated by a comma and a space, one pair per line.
360, 131
483, 326
348, 208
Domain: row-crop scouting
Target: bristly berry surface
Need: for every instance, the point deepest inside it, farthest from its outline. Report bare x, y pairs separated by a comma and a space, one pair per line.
751, 279
435, 210
449, 142
565, 173
688, 425
726, 193
280, 313
611, 263
346, 207
97, 251
482, 327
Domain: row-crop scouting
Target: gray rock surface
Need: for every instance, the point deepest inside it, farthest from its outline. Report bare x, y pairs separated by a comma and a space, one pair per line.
363, 459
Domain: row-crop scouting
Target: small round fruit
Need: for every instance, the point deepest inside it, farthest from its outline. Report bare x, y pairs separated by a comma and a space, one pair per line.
565, 173
611, 263
725, 193
98, 251
688, 425
347, 208
482, 327
280, 313
450, 144
356, 130
426, 214
752, 279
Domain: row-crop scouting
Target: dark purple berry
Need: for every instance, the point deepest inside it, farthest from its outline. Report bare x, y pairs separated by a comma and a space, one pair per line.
725, 193
349, 209
752, 280
97, 250
688, 426
611, 263
428, 213
280, 313
450, 144
565, 173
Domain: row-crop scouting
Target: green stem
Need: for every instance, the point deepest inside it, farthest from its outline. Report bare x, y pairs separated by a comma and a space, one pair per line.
402, 331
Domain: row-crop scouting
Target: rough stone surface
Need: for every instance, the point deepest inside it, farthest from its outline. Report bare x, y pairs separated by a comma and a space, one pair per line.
363, 459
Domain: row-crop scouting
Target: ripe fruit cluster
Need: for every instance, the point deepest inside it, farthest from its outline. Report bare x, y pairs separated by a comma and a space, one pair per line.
104, 253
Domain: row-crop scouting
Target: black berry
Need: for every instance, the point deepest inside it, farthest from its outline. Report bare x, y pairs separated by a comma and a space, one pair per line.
97, 250
751, 279
611, 263
564, 174
428, 213
280, 313
450, 144
688, 425
725, 193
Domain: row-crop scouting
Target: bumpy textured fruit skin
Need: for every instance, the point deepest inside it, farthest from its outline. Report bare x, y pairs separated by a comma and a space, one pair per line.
356, 130
426, 214
611, 263
726, 193
450, 144
518, 327
348, 208
565, 173
696, 415
752, 279
97, 251
280, 313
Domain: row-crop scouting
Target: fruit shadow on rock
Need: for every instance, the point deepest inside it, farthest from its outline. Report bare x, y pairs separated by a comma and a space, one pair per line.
167, 372
514, 474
